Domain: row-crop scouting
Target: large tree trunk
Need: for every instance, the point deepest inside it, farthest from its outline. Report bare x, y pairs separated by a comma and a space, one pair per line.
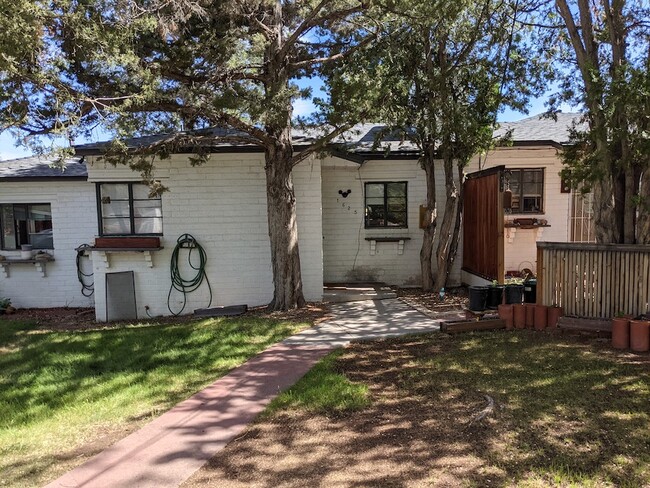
606, 225
280, 195
430, 219
643, 219
445, 240
283, 230
455, 238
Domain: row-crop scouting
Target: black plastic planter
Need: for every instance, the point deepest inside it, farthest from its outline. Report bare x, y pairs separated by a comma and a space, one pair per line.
514, 294
530, 291
495, 296
478, 297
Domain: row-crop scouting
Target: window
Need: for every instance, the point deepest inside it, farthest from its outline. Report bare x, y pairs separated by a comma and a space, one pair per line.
126, 209
527, 187
582, 217
26, 223
386, 204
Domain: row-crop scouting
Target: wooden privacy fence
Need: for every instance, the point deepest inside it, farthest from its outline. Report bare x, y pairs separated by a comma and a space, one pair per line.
594, 280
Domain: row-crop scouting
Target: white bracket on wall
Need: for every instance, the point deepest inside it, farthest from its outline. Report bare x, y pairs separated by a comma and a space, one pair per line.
103, 254
399, 240
39, 264
510, 234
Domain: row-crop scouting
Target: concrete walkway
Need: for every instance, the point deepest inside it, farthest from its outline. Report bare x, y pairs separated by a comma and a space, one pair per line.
167, 451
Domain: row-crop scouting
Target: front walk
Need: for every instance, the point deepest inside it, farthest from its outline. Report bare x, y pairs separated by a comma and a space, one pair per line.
167, 451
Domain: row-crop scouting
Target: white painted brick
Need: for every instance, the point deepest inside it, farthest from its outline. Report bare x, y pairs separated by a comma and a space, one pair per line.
223, 204
74, 220
346, 252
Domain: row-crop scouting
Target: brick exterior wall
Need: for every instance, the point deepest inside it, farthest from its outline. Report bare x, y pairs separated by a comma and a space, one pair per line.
347, 255
223, 205
74, 222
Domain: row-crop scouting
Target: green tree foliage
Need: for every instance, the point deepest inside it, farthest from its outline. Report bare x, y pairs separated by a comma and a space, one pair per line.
137, 67
439, 76
605, 47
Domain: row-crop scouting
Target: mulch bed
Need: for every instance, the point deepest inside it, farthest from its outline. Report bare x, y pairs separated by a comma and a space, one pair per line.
70, 318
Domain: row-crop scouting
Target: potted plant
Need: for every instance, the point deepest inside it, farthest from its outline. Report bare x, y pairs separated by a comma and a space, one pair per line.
5, 303
495, 295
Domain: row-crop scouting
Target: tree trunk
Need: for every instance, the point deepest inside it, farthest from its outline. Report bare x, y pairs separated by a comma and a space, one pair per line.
629, 217
643, 219
430, 219
607, 228
283, 230
445, 239
280, 195
455, 238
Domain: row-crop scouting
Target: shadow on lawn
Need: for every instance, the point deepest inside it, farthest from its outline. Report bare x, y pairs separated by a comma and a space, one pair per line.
566, 412
130, 372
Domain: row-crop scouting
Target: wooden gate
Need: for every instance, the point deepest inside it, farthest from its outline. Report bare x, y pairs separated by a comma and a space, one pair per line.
483, 224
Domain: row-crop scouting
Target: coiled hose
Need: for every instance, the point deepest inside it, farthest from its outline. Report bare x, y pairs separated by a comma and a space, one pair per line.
87, 290
187, 285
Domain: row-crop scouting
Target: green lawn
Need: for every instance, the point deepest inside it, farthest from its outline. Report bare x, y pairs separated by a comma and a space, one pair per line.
65, 395
567, 411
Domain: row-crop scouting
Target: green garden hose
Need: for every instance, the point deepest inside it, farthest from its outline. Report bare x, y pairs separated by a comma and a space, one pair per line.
185, 286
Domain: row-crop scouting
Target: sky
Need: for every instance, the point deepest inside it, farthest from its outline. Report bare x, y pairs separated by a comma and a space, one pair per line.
8, 149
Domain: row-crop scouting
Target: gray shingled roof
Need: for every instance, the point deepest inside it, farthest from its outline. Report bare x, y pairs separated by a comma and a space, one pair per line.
359, 140
36, 168
540, 128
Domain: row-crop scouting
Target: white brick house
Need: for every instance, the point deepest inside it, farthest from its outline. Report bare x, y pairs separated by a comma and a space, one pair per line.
223, 205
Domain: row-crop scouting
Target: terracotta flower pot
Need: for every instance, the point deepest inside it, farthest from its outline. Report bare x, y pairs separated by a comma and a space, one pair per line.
541, 312
530, 315
519, 315
554, 314
505, 313
640, 335
620, 333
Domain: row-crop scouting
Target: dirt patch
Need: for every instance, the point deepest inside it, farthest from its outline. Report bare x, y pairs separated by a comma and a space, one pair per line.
395, 442
454, 298
547, 426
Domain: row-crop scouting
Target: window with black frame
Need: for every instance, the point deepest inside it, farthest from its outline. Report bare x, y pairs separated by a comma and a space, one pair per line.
26, 223
386, 204
527, 187
126, 209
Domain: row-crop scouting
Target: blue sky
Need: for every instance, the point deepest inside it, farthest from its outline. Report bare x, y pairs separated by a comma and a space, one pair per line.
8, 149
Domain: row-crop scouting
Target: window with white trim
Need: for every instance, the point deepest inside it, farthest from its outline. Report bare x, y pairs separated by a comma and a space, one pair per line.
26, 223
125, 209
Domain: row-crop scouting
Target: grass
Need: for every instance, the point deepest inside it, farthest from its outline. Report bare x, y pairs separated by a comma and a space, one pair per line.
569, 412
323, 390
64, 395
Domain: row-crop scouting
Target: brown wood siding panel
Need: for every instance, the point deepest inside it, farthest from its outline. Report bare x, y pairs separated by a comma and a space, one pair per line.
483, 227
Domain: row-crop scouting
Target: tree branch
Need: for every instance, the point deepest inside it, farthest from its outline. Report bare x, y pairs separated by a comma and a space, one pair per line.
305, 63
319, 145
